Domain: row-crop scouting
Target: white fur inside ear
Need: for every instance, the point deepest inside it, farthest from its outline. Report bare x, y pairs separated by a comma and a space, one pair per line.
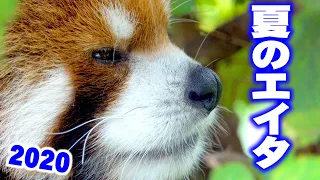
121, 22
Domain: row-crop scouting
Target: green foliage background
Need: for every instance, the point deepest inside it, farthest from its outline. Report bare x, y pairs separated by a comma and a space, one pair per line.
7, 9
302, 125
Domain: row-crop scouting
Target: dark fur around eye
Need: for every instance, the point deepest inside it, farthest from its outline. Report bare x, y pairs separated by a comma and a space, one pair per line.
108, 56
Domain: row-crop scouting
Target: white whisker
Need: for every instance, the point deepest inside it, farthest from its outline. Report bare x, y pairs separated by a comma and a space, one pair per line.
90, 131
205, 38
214, 61
218, 139
85, 141
180, 5
78, 140
70, 130
129, 159
181, 20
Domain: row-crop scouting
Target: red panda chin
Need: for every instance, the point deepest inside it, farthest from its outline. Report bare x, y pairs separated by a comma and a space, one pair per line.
101, 79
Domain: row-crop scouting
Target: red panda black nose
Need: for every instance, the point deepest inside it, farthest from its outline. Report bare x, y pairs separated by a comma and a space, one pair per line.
204, 88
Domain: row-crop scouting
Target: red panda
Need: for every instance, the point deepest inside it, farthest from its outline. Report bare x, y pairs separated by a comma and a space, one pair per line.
105, 70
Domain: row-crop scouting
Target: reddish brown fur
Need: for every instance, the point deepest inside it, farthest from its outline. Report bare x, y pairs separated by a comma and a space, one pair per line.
52, 33
62, 33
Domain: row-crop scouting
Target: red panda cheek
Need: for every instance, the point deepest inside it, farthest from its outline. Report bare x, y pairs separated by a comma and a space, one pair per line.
96, 89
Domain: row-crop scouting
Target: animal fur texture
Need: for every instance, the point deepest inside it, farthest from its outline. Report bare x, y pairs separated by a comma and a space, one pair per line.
130, 118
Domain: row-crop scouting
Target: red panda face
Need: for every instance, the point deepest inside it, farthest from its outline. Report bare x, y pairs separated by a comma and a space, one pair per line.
104, 75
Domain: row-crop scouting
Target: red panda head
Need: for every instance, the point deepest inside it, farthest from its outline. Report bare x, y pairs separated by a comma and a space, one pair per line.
105, 75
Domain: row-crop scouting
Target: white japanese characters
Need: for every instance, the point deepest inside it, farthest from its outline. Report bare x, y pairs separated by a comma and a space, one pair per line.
271, 92
270, 55
272, 157
270, 21
271, 47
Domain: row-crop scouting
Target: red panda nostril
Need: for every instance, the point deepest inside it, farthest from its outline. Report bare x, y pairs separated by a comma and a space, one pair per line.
195, 97
204, 88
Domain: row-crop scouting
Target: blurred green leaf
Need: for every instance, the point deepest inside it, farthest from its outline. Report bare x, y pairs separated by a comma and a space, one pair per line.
303, 124
7, 9
235, 73
305, 74
246, 128
303, 127
232, 171
182, 7
309, 6
213, 13
304, 167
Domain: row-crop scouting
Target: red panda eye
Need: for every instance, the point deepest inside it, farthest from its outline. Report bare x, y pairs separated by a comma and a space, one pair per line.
108, 56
